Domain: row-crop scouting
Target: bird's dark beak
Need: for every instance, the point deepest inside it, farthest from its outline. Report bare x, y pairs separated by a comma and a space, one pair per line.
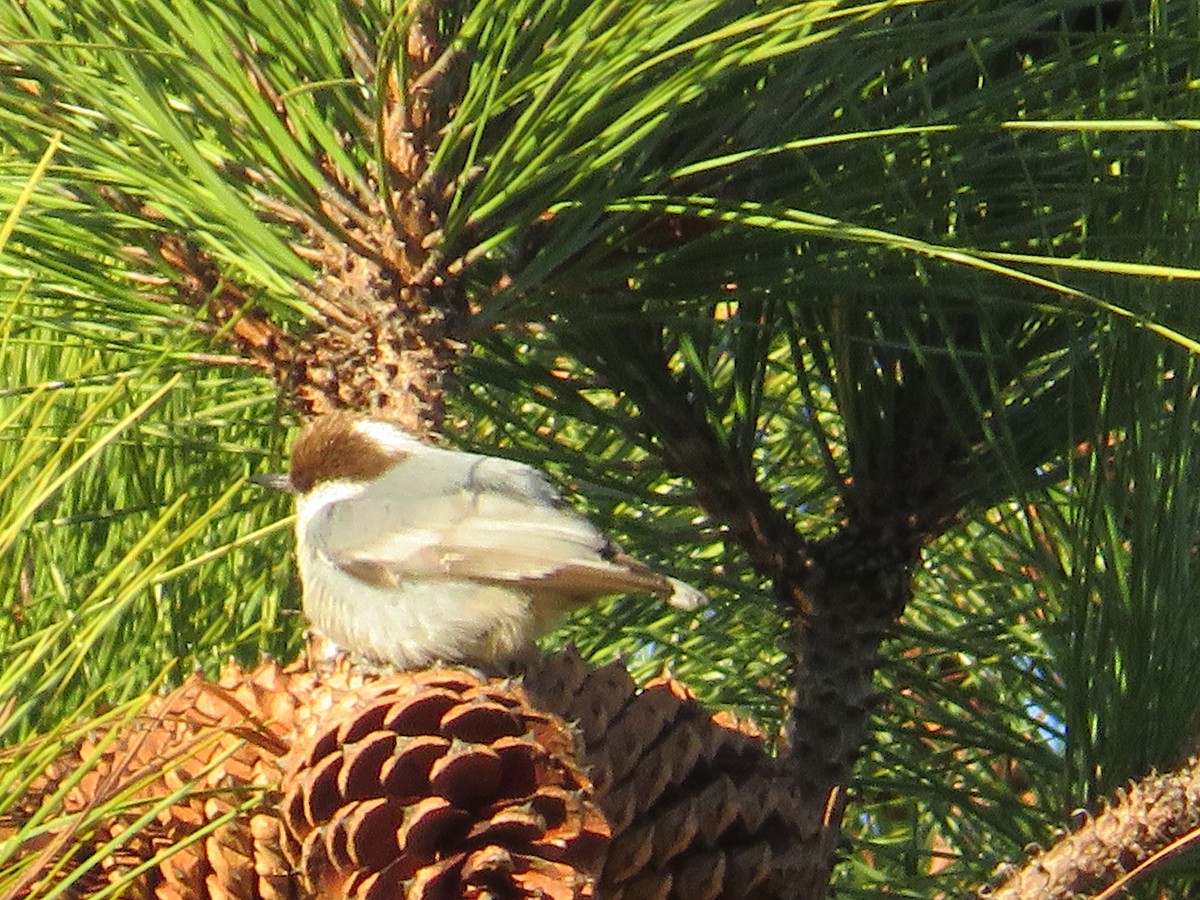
274, 482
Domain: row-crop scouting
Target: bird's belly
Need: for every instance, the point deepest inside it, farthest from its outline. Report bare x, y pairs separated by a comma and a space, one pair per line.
414, 624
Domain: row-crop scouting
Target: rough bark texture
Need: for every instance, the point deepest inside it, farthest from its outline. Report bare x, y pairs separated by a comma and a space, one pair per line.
851, 589
1141, 827
387, 304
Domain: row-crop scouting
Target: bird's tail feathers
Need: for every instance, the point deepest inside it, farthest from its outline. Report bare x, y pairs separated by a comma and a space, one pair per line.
684, 596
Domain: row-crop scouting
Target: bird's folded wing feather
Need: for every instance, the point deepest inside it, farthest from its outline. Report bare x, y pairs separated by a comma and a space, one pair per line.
485, 519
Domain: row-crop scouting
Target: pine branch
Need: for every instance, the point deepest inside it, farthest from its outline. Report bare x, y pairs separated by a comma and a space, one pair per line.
1140, 829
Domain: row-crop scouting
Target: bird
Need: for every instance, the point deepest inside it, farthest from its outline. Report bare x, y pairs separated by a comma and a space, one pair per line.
412, 554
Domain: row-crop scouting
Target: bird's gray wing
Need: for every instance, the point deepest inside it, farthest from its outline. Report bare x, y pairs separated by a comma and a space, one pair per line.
449, 515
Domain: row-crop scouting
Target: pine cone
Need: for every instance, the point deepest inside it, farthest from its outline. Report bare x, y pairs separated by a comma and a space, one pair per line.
438, 784
698, 808
434, 784
204, 758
